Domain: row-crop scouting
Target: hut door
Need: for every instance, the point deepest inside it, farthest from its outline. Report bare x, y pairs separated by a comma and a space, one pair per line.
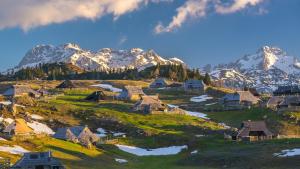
39, 167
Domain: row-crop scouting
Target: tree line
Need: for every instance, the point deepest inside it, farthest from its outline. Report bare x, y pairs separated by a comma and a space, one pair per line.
64, 71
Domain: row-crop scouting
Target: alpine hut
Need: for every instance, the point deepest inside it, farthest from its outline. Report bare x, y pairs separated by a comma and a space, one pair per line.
96, 96
131, 93
254, 131
273, 102
239, 98
18, 127
194, 84
291, 103
20, 90
159, 83
67, 84
147, 104
38, 160
77, 134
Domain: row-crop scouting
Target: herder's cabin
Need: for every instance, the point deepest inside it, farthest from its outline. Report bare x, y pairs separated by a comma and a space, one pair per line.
18, 127
273, 102
287, 90
291, 103
148, 104
193, 84
97, 96
254, 131
159, 83
20, 90
38, 160
77, 134
239, 98
131, 93
67, 84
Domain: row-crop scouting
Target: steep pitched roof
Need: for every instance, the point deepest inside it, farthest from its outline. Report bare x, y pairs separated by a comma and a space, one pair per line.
16, 90
75, 134
241, 96
275, 101
248, 126
96, 96
36, 159
290, 100
19, 126
161, 82
66, 84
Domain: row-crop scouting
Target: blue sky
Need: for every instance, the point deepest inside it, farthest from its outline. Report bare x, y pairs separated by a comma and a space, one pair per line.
209, 35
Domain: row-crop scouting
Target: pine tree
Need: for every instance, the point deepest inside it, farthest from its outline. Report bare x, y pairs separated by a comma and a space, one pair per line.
207, 79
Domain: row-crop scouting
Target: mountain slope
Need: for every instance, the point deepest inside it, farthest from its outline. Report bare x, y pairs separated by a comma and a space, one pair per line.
266, 69
104, 59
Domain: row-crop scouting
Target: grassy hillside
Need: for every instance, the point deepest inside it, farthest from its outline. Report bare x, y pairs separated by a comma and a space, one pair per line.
153, 131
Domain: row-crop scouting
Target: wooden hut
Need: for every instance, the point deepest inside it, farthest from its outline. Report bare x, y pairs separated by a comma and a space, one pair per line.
147, 104
159, 83
67, 84
77, 134
131, 93
18, 127
194, 84
291, 103
38, 160
273, 102
20, 90
97, 96
239, 98
254, 131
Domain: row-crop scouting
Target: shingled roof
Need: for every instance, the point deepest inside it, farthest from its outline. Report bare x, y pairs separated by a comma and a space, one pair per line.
253, 126
18, 90
66, 84
18, 127
275, 101
241, 96
81, 134
37, 159
159, 82
96, 96
290, 101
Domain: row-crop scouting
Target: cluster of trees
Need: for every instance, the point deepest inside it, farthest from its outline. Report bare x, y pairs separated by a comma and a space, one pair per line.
63, 71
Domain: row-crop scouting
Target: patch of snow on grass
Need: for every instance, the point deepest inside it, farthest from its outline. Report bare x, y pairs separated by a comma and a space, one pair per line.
197, 114
121, 160
109, 87
36, 117
119, 134
224, 125
194, 152
201, 98
6, 103
13, 150
101, 132
152, 152
209, 104
288, 153
40, 128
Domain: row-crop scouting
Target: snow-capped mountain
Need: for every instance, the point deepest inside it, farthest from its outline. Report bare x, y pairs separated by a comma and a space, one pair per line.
265, 70
104, 59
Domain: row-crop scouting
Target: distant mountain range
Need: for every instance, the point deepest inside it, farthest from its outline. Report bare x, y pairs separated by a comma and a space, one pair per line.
265, 70
104, 59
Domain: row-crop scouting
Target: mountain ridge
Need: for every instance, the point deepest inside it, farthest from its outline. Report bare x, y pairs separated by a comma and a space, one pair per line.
103, 59
268, 68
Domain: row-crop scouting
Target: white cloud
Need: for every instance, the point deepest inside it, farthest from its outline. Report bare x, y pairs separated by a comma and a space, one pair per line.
200, 8
191, 9
237, 5
28, 14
